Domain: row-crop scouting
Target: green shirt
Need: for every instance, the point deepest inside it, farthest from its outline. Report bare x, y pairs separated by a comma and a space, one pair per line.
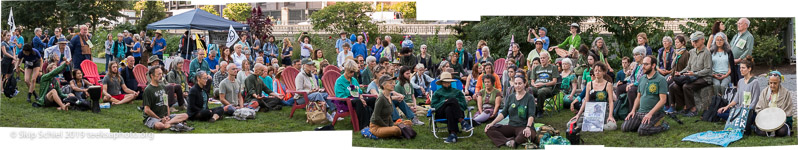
441, 95
650, 90
742, 45
544, 74
155, 97
254, 85
572, 42
519, 111
47, 83
488, 97
346, 89
382, 112
406, 90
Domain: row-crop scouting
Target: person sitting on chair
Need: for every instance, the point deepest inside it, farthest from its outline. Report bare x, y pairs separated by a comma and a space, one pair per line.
545, 77
306, 81
776, 96
449, 104
382, 124
518, 108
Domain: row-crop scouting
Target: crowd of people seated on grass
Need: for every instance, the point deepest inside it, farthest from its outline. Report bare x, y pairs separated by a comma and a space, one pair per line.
388, 88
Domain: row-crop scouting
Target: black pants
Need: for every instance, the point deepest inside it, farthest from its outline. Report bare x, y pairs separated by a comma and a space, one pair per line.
683, 95
452, 112
268, 104
631, 94
175, 94
364, 111
207, 114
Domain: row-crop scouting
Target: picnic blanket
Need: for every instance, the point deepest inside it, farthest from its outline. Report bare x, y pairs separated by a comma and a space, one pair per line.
722, 138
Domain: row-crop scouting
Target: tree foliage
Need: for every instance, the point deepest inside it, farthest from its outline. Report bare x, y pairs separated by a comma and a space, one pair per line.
153, 11
344, 16
769, 35
408, 9
211, 9
63, 13
260, 25
237, 11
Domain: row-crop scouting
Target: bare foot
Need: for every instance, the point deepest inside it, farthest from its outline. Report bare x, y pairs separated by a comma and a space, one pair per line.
65, 107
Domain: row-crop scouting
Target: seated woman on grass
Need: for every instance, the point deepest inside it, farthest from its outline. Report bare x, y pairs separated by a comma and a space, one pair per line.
79, 85
780, 97
486, 95
382, 124
599, 91
52, 96
520, 109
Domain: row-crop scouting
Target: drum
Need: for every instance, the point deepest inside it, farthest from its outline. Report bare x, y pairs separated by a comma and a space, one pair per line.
95, 92
770, 119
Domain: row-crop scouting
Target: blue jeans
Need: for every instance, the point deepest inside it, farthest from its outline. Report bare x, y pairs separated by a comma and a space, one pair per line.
108, 58
417, 93
405, 109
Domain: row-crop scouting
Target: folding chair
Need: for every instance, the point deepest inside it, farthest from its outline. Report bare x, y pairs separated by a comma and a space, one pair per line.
436, 128
289, 75
90, 72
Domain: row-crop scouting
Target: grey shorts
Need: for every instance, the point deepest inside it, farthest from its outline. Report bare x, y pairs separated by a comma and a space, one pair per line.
150, 121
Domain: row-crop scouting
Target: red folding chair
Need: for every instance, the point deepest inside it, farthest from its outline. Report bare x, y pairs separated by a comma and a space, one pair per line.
90, 72
329, 83
186, 65
140, 73
289, 76
499, 66
333, 68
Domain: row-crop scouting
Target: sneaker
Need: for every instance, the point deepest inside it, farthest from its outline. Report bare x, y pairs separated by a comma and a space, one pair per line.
467, 126
666, 126
691, 114
330, 117
417, 122
451, 139
669, 110
510, 143
181, 127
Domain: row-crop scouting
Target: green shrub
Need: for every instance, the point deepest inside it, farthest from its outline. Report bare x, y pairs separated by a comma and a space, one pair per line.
768, 50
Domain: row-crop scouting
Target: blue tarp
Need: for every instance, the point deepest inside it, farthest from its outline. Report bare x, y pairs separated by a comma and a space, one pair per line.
722, 138
197, 19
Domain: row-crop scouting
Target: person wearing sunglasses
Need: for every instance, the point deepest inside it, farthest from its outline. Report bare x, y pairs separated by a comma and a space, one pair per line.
776, 96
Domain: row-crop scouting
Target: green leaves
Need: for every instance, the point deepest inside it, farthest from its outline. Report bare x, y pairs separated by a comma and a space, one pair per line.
344, 16
153, 11
237, 11
211, 9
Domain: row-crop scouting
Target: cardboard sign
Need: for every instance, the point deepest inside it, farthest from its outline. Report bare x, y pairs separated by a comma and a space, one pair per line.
594, 116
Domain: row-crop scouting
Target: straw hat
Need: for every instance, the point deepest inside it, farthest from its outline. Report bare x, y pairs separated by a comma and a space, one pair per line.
445, 77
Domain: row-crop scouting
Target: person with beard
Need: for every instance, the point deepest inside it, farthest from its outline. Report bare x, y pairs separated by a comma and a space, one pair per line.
114, 85
647, 115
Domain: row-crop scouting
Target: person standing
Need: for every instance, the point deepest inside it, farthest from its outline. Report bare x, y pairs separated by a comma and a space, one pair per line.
37, 40
270, 50
57, 35
359, 48
742, 45
80, 45
158, 45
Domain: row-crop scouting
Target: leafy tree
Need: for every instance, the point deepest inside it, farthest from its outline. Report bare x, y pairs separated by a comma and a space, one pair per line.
624, 34
237, 11
51, 17
408, 9
261, 26
64, 13
211, 9
153, 11
344, 16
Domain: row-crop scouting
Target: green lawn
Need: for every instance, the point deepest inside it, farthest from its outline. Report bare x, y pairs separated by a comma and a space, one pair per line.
670, 138
16, 112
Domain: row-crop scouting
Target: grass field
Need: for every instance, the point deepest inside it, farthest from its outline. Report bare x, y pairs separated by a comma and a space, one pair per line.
16, 112
616, 138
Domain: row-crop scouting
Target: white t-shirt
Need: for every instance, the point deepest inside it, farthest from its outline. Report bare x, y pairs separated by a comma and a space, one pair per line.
305, 51
238, 59
342, 58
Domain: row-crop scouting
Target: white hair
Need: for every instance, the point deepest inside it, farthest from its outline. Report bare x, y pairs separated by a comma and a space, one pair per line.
371, 59
545, 53
37, 29
424, 46
459, 41
120, 34
746, 21
639, 50
83, 26
485, 48
668, 38
419, 66
568, 61
137, 36
388, 37
238, 46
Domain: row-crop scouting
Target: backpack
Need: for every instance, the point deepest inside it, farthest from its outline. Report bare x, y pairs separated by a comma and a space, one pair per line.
10, 89
711, 113
316, 113
621, 108
244, 114
573, 132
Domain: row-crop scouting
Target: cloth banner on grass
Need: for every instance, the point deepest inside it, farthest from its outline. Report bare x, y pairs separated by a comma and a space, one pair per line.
722, 138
